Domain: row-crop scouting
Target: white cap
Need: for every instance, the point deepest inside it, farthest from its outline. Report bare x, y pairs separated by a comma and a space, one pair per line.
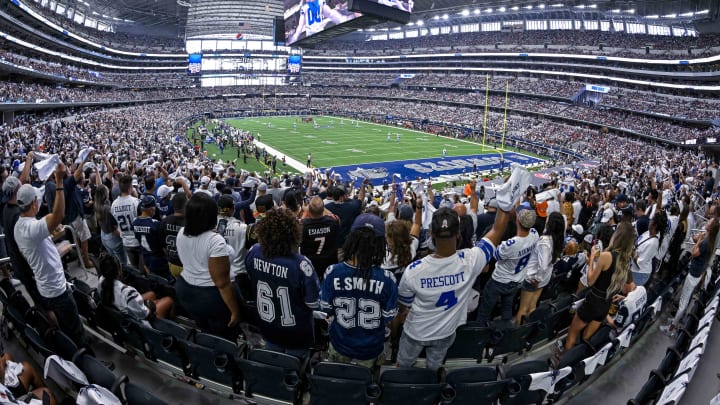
578, 229
204, 180
163, 191
607, 215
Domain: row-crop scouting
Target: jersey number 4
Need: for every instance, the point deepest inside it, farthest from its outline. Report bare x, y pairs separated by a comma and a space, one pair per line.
447, 300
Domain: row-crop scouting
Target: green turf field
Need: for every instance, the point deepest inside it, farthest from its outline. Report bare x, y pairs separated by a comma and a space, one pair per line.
338, 142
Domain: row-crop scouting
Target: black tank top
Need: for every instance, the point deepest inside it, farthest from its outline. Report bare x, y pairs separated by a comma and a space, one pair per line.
605, 278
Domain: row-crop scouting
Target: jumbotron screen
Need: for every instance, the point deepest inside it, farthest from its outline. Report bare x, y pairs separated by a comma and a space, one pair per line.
304, 18
195, 64
294, 64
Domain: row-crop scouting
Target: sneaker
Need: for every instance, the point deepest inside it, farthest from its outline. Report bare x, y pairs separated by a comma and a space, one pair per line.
668, 329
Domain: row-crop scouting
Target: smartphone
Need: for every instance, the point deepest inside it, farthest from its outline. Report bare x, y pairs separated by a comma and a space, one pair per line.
598, 245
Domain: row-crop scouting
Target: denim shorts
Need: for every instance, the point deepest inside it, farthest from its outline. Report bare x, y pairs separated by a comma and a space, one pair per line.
528, 286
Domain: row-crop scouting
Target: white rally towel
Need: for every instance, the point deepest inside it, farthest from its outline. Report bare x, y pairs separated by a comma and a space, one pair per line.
12, 371
674, 391
67, 369
546, 195
546, 380
46, 168
96, 395
84, 152
625, 336
597, 360
511, 191
700, 337
690, 361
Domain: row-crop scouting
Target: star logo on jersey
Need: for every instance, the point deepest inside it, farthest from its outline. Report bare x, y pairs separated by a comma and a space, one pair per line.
306, 268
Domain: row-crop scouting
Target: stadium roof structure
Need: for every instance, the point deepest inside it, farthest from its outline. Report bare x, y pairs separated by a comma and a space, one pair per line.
209, 17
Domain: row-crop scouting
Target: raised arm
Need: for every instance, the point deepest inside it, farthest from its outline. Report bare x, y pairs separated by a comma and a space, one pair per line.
55, 218
25, 174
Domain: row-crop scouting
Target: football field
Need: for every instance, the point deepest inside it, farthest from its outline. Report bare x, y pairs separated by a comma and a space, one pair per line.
372, 150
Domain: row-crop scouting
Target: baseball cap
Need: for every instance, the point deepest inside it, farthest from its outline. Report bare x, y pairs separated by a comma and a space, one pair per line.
445, 223
163, 191
296, 182
262, 187
405, 212
445, 203
11, 185
225, 203
578, 229
147, 201
526, 216
204, 180
371, 221
607, 215
588, 239
493, 203
621, 198
25, 195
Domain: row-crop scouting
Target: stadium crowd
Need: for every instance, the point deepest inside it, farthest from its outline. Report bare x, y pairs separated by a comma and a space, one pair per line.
316, 243
579, 41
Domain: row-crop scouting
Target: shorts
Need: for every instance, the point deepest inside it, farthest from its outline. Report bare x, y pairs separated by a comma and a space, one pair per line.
81, 228
593, 308
334, 356
528, 286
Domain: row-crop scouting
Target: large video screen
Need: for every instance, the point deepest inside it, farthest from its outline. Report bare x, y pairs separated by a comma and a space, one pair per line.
195, 64
304, 18
294, 64
398, 4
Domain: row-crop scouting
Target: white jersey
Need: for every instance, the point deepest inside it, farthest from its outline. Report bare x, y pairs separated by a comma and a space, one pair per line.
124, 210
540, 266
313, 14
235, 234
513, 256
439, 291
630, 308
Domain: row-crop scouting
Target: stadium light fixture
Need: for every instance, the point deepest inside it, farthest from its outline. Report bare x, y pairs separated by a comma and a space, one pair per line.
437, 17
477, 11
630, 11
616, 10
411, 23
702, 12
673, 15
652, 17
501, 9
420, 22
445, 17
690, 14
541, 6
528, 7
592, 6
581, 7
515, 8
556, 5
488, 10
465, 12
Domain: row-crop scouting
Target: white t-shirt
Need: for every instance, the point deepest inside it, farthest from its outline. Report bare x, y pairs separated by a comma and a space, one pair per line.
439, 290
35, 243
646, 249
235, 235
577, 207
540, 266
204, 191
124, 210
513, 256
195, 253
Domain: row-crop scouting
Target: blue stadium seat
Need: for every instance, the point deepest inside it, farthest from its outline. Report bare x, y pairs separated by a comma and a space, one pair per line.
417, 386
470, 341
340, 383
650, 390
477, 385
215, 359
273, 375
96, 372
520, 372
163, 340
512, 340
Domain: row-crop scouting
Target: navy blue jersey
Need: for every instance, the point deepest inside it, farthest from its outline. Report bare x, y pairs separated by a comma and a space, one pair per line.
171, 225
361, 307
147, 232
347, 211
165, 207
287, 291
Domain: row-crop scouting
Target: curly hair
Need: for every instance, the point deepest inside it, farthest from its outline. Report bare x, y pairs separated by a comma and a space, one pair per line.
397, 235
367, 249
278, 233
